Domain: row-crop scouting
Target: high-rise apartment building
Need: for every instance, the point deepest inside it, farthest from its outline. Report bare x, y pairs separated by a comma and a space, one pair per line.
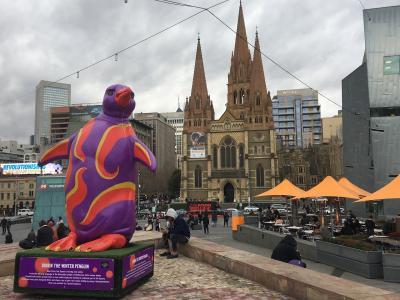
297, 117
48, 95
175, 119
371, 110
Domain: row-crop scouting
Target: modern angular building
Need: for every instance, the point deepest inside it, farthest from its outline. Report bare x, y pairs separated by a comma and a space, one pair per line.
297, 118
371, 110
48, 95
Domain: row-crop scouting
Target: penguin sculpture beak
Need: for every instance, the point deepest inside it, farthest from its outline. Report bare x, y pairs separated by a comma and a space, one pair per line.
123, 97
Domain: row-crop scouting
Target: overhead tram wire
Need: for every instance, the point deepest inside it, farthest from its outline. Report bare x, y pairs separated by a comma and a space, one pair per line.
272, 60
115, 54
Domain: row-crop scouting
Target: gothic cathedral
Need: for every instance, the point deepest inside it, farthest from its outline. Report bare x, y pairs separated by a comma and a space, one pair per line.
232, 158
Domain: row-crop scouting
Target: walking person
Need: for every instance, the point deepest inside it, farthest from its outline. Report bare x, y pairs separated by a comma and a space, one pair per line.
226, 219
206, 221
214, 218
4, 225
9, 226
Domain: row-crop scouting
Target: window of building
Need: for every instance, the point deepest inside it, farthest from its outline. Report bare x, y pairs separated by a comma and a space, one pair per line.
300, 180
2, 196
21, 194
260, 176
197, 177
8, 196
241, 116
31, 185
228, 153
241, 99
235, 97
258, 99
30, 193
391, 65
197, 103
9, 185
215, 157
301, 169
21, 185
241, 156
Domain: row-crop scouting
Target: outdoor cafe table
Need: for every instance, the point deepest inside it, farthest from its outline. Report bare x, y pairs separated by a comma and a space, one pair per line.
378, 231
294, 229
280, 226
268, 223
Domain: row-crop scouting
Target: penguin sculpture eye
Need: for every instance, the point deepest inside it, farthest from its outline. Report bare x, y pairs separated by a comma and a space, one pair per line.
110, 92
132, 95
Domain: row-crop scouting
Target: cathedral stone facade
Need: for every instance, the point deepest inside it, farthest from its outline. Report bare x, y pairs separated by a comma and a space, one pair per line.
234, 157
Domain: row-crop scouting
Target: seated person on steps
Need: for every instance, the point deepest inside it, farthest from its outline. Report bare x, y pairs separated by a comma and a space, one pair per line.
178, 233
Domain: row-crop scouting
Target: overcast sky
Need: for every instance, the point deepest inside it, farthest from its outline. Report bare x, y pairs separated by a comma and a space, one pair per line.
320, 41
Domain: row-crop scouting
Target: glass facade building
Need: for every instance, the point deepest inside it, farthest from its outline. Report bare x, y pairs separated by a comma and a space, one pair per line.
48, 95
297, 117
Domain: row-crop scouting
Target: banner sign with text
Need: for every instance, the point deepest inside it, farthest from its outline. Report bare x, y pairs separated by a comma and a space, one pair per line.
96, 274
137, 266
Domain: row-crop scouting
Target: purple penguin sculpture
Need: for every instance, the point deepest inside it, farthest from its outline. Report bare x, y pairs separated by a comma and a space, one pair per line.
100, 183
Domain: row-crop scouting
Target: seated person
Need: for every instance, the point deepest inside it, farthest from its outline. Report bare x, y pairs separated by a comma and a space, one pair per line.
9, 238
44, 235
178, 233
29, 242
286, 251
347, 228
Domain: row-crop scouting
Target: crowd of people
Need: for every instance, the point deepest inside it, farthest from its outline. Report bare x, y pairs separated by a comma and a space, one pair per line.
47, 233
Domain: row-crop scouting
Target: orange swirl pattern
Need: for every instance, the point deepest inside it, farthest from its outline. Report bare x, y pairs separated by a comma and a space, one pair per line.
76, 196
59, 149
124, 191
81, 138
112, 135
142, 154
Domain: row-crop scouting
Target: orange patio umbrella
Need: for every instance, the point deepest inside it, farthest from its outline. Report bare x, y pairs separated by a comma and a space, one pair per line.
389, 191
353, 188
328, 187
285, 188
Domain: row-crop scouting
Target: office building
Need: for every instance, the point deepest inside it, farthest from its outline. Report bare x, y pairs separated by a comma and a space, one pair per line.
163, 147
48, 95
175, 119
297, 118
332, 128
16, 190
371, 110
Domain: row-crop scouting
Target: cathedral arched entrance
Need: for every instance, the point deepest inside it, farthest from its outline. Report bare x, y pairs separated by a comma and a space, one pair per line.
229, 193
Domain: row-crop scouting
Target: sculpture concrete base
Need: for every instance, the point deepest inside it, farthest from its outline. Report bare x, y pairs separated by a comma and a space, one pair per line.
112, 273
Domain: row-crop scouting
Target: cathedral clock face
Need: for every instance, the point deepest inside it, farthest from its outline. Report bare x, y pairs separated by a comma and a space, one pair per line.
259, 137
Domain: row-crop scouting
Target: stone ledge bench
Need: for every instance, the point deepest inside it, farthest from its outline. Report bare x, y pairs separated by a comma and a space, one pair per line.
288, 279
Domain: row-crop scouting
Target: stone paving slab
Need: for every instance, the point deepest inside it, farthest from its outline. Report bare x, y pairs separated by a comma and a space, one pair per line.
181, 278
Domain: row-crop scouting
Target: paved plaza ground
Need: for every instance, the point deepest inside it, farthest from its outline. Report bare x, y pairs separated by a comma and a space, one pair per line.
181, 278
223, 235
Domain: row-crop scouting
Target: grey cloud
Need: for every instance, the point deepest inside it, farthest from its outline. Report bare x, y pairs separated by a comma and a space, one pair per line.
320, 41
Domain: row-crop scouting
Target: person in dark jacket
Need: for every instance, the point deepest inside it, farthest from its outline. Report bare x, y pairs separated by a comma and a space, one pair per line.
206, 221
9, 226
4, 225
44, 235
62, 231
226, 218
286, 250
179, 233
370, 225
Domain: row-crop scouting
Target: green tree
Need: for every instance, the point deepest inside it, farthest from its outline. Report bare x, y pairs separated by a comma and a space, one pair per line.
174, 183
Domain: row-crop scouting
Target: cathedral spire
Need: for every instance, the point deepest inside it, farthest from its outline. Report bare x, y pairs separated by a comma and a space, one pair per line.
241, 52
257, 75
199, 85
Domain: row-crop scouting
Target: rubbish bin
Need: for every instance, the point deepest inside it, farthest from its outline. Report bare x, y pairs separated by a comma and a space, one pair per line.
237, 219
